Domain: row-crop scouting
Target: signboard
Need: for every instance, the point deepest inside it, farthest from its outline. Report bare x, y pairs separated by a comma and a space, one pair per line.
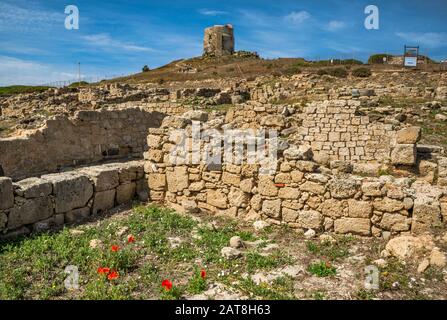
411, 62
411, 55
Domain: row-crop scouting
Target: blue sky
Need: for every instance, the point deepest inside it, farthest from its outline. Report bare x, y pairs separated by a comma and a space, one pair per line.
119, 37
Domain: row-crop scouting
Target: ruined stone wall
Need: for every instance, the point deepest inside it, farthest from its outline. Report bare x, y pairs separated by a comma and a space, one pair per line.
301, 193
39, 204
219, 40
88, 137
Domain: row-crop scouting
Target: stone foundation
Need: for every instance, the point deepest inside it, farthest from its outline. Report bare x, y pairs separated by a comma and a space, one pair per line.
41, 203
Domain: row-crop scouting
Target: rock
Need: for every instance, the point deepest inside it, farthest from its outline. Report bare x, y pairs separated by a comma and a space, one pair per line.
122, 231
175, 122
260, 225
310, 219
333, 208
103, 177
77, 215
125, 193
6, 193
441, 117
236, 242
372, 188
343, 188
423, 265
358, 226
410, 135
404, 154
367, 169
70, 191
190, 206
266, 186
437, 258
405, 247
395, 222
309, 234
426, 214
272, 208
381, 263
276, 121
230, 253
388, 205
359, 209
95, 244
157, 181
341, 166
103, 201
196, 115
177, 180
313, 187
216, 198
27, 211
175, 242
33, 188
303, 152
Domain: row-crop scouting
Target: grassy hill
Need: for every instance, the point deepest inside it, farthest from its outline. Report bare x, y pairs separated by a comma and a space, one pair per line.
21, 89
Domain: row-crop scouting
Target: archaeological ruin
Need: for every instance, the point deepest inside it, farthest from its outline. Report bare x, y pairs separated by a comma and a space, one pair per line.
218, 41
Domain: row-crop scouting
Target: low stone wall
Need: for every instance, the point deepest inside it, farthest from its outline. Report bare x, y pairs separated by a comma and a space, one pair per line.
301, 193
39, 204
89, 137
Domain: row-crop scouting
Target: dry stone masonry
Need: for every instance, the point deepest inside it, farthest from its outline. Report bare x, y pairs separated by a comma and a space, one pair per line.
219, 41
304, 192
41, 203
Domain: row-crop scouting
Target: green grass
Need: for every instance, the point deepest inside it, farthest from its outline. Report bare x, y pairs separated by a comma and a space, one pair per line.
331, 251
33, 268
322, 269
21, 89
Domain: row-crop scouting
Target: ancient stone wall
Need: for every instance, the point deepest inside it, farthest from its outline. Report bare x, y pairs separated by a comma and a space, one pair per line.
39, 204
301, 192
88, 137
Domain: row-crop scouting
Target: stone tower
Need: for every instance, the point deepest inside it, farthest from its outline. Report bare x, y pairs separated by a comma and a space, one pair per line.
219, 41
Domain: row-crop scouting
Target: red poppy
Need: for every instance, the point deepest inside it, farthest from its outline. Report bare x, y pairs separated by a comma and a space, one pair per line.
131, 239
203, 274
113, 275
103, 270
166, 284
115, 248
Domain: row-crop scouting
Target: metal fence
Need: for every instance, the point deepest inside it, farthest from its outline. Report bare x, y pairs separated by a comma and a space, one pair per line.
90, 79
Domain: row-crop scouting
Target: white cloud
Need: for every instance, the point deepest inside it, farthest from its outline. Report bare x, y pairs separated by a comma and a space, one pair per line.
18, 71
335, 25
297, 17
28, 19
106, 42
208, 12
428, 39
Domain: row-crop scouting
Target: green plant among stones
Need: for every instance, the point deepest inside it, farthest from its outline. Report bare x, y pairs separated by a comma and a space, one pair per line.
322, 269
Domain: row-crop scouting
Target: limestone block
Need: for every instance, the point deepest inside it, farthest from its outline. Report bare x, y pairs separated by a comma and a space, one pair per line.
426, 214
70, 190
358, 226
404, 154
310, 219
6, 193
103, 177
103, 201
333, 208
125, 193
409, 135
177, 180
77, 215
231, 179
216, 198
157, 181
289, 215
266, 186
27, 211
313, 187
359, 209
33, 188
289, 193
395, 222
343, 188
388, 205
272, 208
238, 198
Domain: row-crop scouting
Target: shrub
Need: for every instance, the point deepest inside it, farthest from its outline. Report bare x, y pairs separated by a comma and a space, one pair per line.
145, 69
361, 72
322, 269
335, 72
378, 58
